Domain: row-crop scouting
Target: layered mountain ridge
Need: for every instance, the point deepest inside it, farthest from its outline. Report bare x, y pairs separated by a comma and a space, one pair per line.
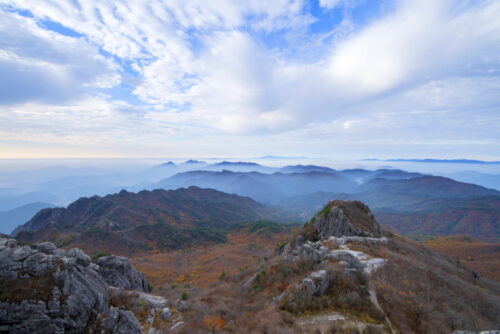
126, 223
339, 273
398, 198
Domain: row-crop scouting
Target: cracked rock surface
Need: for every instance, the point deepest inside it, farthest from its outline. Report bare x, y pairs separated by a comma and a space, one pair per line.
345, 218
118, 272
48, 290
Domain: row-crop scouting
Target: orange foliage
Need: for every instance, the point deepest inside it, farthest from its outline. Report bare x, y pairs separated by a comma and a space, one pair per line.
203, 265
214, 322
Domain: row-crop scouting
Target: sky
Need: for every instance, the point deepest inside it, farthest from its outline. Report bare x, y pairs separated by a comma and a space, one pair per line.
341, 79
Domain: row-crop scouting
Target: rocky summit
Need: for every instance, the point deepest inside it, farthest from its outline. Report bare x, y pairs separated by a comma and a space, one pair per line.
44, 289
344, 264
345, 218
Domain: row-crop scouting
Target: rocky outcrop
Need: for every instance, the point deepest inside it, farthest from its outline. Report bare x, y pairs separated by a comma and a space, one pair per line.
317, 283
48, 290
310, 251
324, 244
338, 223
344, 218
118, 272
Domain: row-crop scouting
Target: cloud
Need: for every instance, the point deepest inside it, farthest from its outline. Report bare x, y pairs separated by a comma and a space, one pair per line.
329, 4
257, 68
147, 29
238, 85
420, 41
39, 65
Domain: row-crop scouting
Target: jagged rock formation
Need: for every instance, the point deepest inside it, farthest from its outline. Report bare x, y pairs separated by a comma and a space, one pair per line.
324, 242
118, 272
352, 265
344, 218
48, 290
338, 222
307, 250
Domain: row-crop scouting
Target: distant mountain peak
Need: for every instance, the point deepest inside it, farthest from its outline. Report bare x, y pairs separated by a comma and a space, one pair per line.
193, 162
167, 164
237, 163
305, 168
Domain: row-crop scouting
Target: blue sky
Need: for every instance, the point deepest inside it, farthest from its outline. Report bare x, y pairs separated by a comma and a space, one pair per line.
329, 78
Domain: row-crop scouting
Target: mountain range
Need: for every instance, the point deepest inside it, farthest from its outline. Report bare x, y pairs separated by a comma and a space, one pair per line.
399, 198
126, 223
442, 206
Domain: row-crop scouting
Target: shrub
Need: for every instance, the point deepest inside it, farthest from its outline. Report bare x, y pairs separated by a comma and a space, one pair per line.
184, 295
97, 256
129, 301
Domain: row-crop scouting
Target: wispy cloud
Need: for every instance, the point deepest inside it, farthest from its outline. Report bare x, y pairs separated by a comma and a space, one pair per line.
254, 68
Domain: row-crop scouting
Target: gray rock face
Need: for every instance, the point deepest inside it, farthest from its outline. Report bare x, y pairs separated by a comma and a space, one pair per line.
47, 290
317, 283
314, 285
46, 247
310, 251
345, 218
119, 321
118, 272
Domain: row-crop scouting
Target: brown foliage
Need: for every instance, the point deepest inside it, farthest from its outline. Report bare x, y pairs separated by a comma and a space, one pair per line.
214, 323
480, 256
422, 291
40, 287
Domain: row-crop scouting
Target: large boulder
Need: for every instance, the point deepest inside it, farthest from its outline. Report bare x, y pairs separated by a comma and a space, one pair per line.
118, 321
117, 271
344, 218
47, 290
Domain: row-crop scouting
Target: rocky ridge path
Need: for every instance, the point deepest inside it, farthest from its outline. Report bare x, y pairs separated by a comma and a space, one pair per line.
326, 238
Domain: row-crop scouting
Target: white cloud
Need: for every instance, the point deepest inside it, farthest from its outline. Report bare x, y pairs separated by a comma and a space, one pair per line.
237, 67
240, 86
141, 29
421, 41
330, 4
38, 65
